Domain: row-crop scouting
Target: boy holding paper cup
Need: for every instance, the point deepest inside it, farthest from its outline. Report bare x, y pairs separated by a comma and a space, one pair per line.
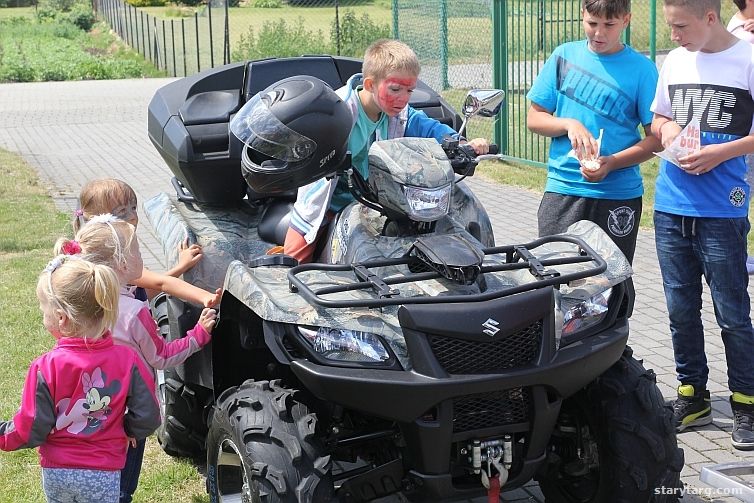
588, 87
701, 208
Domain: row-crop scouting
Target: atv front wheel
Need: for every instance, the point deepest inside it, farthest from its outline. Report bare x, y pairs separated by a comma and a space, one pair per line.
262, 448
615, 442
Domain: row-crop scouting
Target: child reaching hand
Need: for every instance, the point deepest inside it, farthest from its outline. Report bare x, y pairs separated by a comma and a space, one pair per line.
82, 399
110, 241
109, 195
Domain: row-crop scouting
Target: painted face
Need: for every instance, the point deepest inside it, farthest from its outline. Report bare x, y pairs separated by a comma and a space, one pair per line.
127, 212
393, 92
603, 34
686, 29
134, 263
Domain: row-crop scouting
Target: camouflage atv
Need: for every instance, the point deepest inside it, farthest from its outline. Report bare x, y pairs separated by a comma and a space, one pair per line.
417, 356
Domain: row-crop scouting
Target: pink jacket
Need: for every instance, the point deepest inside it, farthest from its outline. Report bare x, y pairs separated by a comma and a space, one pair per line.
136, 328
79, 402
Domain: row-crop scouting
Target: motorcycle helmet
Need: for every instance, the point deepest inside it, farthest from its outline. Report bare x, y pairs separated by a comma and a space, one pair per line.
294, 132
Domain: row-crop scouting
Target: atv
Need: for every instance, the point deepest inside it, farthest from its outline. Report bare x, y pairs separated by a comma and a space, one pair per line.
416, 355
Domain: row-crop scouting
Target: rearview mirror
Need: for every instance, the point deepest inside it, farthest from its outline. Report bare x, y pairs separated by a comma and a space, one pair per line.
484, 102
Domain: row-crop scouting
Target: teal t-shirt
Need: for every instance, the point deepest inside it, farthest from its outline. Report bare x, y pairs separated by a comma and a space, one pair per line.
365, 131
612, 92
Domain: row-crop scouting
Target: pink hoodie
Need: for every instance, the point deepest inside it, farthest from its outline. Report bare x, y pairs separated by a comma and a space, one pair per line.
79, 402
136, 328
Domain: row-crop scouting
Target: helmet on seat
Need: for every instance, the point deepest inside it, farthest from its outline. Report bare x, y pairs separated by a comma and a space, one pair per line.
295, 132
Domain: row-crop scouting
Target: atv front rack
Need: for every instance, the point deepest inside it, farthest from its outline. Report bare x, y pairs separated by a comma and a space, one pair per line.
514, 257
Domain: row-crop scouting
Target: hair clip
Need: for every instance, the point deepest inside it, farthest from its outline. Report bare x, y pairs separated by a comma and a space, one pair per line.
53, 264
78, 213
71, 247
104, 218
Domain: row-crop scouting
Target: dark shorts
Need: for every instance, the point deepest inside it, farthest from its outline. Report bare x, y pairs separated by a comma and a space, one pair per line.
619, 218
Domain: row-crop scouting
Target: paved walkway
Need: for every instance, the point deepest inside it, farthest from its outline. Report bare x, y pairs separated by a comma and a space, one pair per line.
72, 132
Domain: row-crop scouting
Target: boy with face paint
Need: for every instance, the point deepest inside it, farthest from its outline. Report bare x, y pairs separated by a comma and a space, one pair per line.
585, 87
378, 99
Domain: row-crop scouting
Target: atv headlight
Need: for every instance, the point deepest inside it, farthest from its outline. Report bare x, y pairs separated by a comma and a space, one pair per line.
345, 345
427, 205
580, 315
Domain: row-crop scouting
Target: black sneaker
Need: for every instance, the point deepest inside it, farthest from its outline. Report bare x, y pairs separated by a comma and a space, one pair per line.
743, 421
691, 408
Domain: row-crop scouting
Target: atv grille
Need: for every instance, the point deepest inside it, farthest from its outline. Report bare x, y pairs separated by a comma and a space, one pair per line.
459, 356
489, 410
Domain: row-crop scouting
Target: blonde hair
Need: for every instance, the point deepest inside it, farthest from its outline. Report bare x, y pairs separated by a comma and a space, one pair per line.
103, 240
385, 56
87, 293
101, 196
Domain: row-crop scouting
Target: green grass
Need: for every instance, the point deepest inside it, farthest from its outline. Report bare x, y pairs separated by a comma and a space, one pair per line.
29, 226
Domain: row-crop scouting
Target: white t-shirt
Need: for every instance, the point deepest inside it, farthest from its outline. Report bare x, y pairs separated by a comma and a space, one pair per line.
736, 27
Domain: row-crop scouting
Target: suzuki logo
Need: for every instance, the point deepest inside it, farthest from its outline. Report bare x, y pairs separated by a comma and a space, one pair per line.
490, 327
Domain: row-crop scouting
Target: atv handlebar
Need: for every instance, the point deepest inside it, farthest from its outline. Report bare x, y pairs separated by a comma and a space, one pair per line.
463, 158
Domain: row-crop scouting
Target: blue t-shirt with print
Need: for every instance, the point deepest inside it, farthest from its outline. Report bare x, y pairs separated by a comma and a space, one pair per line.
610, 92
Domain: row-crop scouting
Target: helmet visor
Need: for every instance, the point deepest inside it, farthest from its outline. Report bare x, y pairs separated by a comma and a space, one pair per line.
259, 129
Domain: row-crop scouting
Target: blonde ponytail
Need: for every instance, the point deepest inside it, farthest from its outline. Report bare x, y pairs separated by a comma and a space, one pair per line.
87, 293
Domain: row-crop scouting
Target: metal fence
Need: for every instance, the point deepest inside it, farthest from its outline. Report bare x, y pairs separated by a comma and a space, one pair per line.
464, 44
179, 46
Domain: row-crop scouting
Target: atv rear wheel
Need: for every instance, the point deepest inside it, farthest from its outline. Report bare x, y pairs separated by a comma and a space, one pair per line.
615, 442
262, 448
182, 405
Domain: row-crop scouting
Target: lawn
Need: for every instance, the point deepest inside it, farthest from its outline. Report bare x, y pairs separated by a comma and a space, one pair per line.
29, 225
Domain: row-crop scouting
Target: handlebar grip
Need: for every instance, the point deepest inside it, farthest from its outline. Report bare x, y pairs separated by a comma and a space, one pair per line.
494, 149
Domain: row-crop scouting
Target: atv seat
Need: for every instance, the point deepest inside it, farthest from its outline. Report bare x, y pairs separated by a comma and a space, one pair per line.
273, 224
335, 73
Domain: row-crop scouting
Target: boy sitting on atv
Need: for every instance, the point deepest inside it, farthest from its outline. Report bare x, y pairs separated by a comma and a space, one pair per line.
378, 100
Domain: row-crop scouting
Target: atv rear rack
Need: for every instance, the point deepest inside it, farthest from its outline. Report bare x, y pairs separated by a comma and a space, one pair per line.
516, 257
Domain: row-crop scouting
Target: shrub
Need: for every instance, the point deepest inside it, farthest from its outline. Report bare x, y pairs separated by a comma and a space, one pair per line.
278, 38
81, 16
267, 4
356, 33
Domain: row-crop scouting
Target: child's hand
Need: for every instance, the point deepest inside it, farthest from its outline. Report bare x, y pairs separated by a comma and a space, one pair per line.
188, 255
207, 319
669, 131
749, 25
703, 161
604, 167
481, 145
583, 143
212, 299
132, 442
